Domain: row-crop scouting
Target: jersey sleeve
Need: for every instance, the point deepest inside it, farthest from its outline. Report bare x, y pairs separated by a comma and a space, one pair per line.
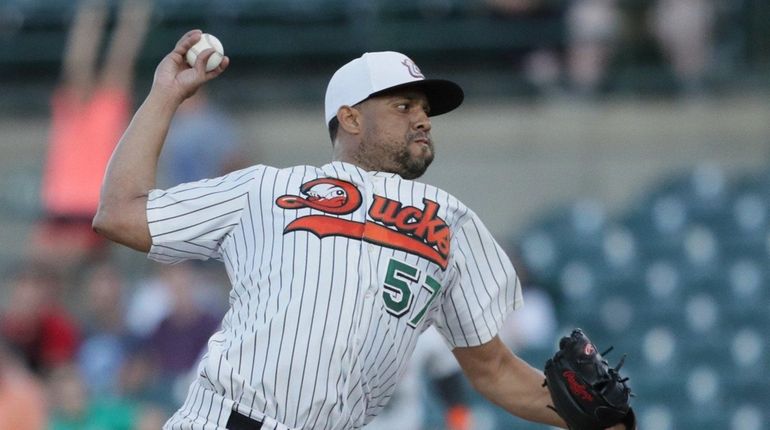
484, 290
192, 220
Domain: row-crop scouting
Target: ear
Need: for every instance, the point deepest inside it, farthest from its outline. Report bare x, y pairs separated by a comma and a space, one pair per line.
349, 119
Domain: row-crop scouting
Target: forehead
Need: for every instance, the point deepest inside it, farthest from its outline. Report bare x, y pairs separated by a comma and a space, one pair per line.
403, 93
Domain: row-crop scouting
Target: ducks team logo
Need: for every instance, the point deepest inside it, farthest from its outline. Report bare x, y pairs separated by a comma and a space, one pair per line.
407, 228
329, 195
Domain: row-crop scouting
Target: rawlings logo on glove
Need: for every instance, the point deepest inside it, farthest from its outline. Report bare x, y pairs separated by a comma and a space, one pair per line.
586, 392
576, 387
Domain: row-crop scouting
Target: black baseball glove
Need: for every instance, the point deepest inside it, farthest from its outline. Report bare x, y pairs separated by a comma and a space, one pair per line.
586, 392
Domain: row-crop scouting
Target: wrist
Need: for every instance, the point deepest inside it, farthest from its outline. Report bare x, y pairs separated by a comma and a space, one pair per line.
165, 98
163, 102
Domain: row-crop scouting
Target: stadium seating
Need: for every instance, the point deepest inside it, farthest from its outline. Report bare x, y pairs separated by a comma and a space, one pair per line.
678, 283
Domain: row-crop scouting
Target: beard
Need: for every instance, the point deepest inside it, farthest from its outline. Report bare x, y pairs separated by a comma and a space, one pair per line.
413, 166
402, 156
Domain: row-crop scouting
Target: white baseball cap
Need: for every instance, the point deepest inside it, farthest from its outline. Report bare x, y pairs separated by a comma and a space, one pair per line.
377, 72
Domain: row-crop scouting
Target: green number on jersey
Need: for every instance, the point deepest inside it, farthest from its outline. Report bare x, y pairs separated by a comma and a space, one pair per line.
434, 287
397, 293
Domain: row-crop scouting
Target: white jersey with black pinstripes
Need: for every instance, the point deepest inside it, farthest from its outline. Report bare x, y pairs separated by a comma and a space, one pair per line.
335, 272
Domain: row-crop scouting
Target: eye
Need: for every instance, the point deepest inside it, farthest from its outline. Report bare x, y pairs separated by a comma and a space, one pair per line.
403, 107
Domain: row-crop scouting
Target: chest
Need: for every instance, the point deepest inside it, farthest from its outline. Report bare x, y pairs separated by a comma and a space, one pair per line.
396, 235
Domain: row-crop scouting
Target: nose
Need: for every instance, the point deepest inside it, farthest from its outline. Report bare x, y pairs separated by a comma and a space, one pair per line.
422, 121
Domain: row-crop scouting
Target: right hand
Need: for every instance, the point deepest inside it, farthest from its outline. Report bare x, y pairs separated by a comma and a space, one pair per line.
175, 78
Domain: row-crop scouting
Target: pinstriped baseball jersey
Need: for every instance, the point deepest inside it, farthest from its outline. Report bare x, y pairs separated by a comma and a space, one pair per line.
335, 272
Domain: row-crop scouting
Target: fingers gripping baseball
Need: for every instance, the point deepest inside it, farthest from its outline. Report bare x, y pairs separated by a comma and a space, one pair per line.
174, 76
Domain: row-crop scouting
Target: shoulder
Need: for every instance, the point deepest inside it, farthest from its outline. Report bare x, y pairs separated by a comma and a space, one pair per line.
292, 176
455, 212
300, 170
264, 170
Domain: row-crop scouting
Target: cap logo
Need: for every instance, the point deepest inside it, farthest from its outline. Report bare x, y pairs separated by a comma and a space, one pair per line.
412, 68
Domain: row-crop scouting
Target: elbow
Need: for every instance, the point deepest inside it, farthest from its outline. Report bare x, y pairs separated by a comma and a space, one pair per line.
103, 223
124, 225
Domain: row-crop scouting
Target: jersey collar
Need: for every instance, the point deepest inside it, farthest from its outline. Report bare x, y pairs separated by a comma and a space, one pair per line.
355, 171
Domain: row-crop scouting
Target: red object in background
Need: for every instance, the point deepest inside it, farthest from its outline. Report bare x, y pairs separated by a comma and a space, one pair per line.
83, 134
34, 324
45, 340
458, 418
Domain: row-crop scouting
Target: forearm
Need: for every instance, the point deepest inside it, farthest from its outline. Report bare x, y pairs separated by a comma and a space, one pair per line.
131, 174
518, 388
133, 165
508, 381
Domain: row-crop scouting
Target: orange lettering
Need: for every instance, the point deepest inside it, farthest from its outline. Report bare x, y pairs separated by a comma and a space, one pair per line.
403, 217
420, 232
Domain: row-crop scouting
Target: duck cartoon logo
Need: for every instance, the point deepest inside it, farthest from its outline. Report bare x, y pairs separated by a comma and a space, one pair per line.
407, 228
329, 195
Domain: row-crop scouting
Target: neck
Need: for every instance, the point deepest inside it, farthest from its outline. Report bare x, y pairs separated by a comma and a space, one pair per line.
356, 161
347, 154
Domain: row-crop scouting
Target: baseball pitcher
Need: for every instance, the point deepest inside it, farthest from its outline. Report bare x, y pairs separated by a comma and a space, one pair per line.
335, 270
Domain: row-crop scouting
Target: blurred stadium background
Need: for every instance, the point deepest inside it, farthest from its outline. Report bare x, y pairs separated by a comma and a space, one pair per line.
619, 149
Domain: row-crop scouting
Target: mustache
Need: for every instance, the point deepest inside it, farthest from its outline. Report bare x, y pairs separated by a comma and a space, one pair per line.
420, 135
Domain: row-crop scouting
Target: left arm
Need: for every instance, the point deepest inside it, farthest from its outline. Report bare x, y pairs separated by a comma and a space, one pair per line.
493, 370
508, 381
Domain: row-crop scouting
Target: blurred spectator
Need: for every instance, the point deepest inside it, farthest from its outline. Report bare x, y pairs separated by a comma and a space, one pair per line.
151, 299
106, 341
34, 322
539, 56
148, 305
685, 31
533, 326
177, 341
90, 110
174, 346
139, 383
593, 28
201, 143
514, 7
22, 395
543, 69
434, 364
73, 409
151, 417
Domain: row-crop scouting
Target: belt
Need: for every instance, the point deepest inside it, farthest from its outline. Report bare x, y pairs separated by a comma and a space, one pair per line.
239, 421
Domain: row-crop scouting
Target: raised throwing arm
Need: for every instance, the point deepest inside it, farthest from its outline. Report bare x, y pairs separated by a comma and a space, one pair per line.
131, 172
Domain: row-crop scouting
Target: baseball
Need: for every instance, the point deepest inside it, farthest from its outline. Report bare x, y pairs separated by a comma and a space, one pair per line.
207, 41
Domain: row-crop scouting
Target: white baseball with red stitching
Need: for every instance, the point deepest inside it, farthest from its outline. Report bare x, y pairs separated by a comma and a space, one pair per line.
207, 41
